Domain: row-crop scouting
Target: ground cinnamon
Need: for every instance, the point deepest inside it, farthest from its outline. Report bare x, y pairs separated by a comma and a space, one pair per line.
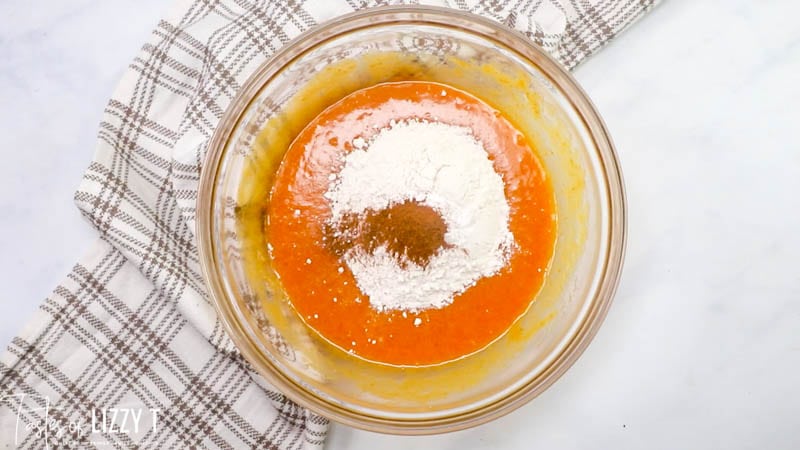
410, 231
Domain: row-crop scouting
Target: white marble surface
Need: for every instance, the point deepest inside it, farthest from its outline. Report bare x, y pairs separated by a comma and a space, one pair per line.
702, 346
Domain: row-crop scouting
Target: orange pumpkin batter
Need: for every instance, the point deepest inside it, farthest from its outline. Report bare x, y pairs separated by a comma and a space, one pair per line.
328, 298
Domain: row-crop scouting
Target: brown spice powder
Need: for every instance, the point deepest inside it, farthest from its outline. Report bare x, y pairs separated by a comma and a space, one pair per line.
411, 232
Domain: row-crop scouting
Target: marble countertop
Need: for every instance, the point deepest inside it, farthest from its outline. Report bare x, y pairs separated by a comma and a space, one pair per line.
701, 348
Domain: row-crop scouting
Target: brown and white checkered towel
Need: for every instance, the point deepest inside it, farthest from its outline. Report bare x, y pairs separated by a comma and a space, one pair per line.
128, 351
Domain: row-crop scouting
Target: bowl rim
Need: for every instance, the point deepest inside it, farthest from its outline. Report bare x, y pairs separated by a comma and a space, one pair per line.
556, 74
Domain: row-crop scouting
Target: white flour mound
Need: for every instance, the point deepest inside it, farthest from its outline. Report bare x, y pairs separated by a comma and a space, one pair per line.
442, 166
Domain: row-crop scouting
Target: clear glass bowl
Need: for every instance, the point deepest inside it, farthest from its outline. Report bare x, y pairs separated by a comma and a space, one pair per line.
466, 51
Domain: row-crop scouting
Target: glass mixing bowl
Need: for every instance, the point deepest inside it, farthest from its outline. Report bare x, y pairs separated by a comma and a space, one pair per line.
412, 43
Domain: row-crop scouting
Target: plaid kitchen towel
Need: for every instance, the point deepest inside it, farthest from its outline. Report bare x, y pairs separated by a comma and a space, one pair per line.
127, 351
